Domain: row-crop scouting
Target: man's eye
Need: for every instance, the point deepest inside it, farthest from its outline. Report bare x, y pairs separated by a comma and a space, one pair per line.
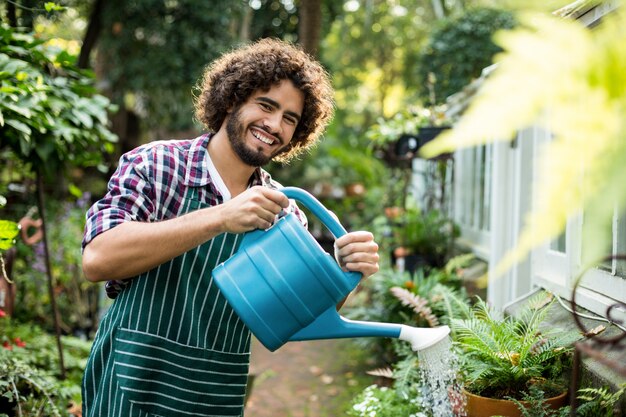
265, 106
291, 121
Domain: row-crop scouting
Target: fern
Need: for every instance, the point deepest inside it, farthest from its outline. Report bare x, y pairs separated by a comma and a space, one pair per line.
385, 372
599, 402
450, 303
458, 262
418, 304
537, 407
406, 375
507, 355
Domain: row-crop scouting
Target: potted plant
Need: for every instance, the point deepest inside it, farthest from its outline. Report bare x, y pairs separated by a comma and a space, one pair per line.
503, 357
397, 140
424, 238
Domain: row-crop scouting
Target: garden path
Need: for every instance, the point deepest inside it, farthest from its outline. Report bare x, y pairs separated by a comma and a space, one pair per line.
306, 379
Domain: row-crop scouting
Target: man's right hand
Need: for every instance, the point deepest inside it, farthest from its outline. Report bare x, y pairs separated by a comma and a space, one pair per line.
255, 208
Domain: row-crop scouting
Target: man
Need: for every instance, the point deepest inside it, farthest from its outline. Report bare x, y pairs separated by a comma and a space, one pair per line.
170, 344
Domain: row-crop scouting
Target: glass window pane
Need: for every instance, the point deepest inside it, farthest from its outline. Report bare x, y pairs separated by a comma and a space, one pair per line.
559, 244
487, 190
607, 251
619, 238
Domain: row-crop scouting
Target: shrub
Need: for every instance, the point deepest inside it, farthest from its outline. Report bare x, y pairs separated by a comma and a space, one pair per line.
459, 49
385, 402
29, 384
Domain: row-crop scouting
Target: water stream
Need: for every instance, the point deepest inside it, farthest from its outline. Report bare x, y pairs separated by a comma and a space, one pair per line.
439, 368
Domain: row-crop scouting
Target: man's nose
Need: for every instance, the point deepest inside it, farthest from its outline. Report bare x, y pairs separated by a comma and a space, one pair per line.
274, 122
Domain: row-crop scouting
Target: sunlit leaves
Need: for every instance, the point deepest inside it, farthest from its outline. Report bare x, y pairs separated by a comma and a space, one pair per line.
372, 52
8, 231
571, 82
51, 115
53, 7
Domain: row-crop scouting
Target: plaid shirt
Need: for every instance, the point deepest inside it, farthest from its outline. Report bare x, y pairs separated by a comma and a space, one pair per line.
150, 183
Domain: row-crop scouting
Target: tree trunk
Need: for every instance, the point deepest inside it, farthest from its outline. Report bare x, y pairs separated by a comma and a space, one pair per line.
91, 35
246, 22
309, 25
11, 15
27, 13
438, 9
55, 312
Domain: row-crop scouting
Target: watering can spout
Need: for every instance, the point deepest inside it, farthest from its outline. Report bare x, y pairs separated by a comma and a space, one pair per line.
423, 337
330, 325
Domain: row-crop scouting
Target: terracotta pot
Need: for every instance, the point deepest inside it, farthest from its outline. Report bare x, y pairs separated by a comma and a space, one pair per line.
477, 406
393, 213
355, 189
401, 252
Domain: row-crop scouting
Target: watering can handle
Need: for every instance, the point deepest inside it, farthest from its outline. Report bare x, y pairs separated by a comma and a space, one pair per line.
317, 209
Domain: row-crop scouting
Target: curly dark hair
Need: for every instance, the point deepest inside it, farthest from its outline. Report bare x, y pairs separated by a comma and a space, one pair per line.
230, 80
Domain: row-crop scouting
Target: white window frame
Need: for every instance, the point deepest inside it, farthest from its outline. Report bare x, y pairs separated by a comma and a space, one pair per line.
468, 198
512, 188
558, 272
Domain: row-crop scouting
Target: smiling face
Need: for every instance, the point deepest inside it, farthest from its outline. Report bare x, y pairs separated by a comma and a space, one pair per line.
263, 126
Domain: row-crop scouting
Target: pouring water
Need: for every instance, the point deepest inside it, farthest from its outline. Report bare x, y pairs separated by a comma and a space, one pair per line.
438, 369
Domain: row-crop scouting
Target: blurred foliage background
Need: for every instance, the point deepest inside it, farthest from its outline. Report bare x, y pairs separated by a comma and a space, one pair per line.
83, 81
140, 61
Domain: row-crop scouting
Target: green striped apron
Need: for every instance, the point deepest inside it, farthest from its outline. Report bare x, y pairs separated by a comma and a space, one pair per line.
170, 345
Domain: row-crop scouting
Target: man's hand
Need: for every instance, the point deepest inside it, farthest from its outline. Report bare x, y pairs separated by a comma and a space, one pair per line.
255, 208
357, 251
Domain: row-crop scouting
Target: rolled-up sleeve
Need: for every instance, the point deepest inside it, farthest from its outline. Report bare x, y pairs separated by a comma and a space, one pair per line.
130, 197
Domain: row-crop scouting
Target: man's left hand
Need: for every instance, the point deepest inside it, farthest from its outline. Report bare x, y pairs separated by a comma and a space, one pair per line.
357, 251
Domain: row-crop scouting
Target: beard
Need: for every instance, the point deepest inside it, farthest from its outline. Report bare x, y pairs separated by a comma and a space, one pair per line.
235, 131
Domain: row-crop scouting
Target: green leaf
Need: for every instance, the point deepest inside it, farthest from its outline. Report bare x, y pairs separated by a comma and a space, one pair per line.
15, 65
75, 191
51, 6
83, 117
24, 111
44, 150
8, 231
17, 125
9, 89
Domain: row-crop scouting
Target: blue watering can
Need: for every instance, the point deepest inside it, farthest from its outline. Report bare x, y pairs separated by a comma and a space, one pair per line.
285, 287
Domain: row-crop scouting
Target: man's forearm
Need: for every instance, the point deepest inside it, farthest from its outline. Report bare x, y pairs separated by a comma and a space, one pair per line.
132, 248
